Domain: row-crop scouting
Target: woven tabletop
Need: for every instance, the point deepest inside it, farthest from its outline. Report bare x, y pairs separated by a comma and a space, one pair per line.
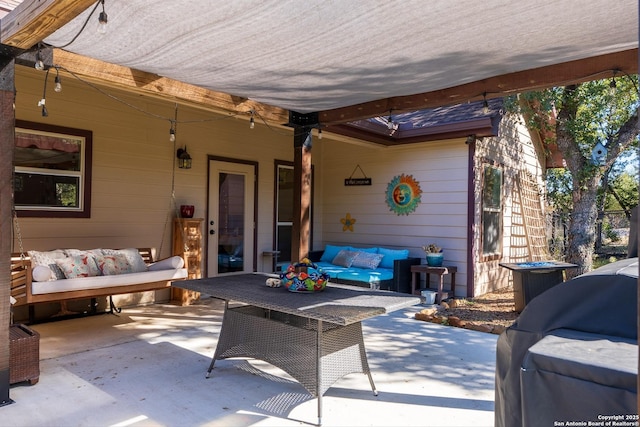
339, 304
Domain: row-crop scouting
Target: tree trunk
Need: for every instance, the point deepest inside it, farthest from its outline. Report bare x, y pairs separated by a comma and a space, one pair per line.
601, 206
582, 238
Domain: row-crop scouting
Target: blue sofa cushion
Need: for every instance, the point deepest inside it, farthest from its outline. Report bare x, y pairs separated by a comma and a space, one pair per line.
330, 252
366, 275
356, 274
367, 250
390, 255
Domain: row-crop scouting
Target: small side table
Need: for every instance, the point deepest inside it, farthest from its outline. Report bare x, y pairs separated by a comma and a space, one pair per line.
441, 272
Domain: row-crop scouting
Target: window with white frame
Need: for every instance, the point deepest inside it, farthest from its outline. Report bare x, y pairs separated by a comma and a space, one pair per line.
52, 175
491, 211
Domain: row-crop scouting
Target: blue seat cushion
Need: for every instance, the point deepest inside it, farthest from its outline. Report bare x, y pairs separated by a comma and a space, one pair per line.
356, 274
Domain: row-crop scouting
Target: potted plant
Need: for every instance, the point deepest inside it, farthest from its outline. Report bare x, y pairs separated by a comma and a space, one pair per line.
434, 255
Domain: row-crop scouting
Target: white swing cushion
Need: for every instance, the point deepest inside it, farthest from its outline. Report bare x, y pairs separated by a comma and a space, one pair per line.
98, 282
167, 263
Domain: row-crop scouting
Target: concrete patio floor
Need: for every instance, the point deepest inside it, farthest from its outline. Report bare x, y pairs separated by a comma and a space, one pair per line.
146, 367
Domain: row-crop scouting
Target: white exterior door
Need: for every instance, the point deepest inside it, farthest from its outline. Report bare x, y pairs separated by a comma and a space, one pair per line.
230, 226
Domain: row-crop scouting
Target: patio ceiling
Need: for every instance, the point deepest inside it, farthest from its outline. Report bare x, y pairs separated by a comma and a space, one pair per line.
344, 60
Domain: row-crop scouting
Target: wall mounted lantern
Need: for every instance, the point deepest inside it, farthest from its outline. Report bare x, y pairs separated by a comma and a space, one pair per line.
184, 159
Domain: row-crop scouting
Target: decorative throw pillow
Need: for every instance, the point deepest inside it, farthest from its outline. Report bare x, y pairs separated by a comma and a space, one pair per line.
390, 255
344, 258
42, 273
48, 259
171, 263
373, 250
111, 265
76, 252
79, 266
367, 260
330, 252
133, 256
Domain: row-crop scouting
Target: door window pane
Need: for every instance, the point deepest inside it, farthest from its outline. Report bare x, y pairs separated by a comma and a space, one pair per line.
284, 212
231, 222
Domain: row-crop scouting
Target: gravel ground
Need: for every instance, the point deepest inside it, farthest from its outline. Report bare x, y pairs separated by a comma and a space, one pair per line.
491, 312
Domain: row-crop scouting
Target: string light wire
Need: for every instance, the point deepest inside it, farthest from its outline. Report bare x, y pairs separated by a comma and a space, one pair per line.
252, 112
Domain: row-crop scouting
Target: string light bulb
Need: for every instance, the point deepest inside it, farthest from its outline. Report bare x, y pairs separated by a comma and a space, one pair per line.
172, 134
252, 122
485, 104
103, 20
390, 122
39, 64
58, 86
319, 133
613, 85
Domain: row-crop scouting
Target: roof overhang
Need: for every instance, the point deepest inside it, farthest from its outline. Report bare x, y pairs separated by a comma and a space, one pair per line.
345, 61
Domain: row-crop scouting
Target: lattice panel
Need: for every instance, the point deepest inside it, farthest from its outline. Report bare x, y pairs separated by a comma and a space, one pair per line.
528, 226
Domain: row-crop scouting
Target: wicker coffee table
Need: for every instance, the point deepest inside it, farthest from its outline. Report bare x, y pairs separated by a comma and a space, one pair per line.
316, 338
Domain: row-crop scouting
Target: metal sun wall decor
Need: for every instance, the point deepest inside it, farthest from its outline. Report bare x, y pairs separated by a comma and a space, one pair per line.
403, 194
347, 223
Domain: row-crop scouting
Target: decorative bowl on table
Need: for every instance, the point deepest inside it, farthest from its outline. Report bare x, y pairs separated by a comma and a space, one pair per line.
304, 277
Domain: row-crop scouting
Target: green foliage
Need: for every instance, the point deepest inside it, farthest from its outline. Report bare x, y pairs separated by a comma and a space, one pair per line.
625, 186
609, 232
577, 118
559, 187
600, 113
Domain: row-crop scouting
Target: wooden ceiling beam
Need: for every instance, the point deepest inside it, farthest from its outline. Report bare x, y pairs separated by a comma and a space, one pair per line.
32, 21
593, 68
135, 81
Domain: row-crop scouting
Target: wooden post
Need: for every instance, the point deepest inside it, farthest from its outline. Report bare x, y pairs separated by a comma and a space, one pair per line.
7, 122
301, 229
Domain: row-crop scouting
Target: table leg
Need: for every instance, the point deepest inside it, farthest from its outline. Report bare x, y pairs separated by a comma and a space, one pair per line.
453, 284
440, 289
414, 279
319, 371
215, 354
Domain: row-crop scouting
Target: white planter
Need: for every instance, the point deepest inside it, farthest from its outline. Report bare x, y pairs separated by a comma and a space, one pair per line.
429, 297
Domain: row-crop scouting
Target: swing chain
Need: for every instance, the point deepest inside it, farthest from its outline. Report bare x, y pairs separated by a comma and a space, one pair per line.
16, 226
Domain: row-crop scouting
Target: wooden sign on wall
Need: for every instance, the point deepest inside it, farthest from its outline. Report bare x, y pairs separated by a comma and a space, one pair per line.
357, 181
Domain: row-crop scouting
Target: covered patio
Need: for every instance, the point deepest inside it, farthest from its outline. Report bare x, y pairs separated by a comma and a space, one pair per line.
147, 367
293, 67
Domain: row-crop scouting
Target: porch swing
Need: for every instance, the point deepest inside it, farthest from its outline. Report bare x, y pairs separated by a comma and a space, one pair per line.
34, 281
29, 287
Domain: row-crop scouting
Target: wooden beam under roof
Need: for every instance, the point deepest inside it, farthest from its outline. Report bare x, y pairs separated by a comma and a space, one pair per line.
135, 81
582, 70
32, 21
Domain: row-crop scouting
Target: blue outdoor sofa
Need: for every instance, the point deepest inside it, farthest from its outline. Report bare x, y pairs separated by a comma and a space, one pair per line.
375, 267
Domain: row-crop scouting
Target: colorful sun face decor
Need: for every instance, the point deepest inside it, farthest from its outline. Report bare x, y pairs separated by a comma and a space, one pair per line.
347, 223
403, 194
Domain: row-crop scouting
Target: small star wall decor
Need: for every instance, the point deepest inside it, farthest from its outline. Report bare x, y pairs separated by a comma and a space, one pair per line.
347, 223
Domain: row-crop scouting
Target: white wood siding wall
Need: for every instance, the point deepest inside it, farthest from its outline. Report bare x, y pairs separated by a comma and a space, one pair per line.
440, 167
513, 150
134, 166
134, 162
